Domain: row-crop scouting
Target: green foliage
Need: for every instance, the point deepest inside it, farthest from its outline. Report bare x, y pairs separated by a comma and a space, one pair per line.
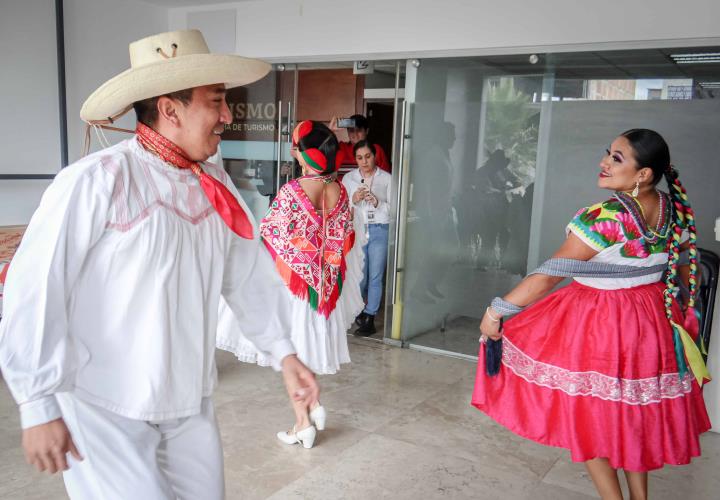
511, 125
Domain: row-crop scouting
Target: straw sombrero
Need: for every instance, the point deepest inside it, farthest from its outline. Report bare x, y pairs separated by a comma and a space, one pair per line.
165, 63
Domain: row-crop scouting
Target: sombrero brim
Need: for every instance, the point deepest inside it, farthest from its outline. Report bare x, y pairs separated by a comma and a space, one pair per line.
167, 76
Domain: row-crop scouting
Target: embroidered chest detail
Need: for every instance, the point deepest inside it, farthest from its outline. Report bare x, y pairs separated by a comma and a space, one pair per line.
179, 194
634, 210
620, 222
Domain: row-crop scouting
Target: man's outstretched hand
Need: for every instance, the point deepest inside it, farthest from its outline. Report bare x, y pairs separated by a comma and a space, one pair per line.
299, 380
47, 445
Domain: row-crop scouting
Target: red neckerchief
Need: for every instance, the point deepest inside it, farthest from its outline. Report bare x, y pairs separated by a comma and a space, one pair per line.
219, 196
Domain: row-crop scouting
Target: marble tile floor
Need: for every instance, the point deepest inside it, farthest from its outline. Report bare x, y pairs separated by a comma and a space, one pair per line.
400, 426
461, 335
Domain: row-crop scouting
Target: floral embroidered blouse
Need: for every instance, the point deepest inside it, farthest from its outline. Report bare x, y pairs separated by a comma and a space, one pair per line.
617, 230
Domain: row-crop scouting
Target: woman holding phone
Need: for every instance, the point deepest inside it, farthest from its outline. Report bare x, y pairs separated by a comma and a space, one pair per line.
369, 190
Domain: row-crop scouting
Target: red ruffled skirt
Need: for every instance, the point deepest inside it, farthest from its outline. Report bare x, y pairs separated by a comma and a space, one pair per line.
594, 371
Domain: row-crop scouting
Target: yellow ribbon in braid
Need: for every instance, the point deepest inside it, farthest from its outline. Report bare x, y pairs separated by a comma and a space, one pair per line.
685, 219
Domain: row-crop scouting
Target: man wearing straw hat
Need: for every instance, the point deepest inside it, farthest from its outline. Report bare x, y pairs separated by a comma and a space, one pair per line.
108, 329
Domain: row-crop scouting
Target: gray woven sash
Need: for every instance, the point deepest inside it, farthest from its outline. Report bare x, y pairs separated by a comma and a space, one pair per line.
571, 268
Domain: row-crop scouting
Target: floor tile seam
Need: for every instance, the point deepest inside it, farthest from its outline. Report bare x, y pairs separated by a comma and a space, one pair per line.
557, 460
484, 465
323, 463
434, 448
538, 477
219, 406
369, 344
441, 385
400, 415
572, 490
345, 388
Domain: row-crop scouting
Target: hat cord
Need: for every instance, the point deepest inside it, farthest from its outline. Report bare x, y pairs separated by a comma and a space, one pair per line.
162, 52
98, 125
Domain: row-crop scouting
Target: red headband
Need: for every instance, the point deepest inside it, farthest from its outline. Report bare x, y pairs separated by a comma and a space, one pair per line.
301, 130
314, 158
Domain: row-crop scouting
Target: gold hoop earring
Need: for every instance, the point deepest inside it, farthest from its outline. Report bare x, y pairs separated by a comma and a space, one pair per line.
636, 191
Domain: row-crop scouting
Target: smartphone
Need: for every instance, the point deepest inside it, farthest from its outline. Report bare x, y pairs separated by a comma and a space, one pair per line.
346, 123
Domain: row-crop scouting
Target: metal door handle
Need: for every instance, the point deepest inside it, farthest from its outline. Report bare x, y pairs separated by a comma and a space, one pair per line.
398, 260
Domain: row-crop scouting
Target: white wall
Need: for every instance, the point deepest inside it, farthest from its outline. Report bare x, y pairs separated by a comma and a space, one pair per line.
97, 35
29, 104
311, 30
29, 88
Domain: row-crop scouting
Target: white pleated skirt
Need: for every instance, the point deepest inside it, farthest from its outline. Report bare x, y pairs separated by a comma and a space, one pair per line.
321, 343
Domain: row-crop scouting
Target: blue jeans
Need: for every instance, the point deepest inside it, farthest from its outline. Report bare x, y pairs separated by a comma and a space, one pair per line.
375, 260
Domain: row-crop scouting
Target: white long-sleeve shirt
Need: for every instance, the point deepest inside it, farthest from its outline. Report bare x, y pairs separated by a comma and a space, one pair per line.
380, 185
113, 293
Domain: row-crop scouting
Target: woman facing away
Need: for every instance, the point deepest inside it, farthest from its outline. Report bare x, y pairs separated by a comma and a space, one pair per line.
608, 367
309, 233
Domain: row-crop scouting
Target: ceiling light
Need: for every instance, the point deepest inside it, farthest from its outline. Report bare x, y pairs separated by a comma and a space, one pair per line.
697, 58
710, 85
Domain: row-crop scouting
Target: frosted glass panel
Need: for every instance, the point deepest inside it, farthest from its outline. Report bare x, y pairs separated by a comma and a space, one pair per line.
472, 170
503, 152
580, 132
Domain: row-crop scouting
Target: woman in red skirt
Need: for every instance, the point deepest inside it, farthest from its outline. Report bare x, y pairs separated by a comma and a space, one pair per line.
608, 367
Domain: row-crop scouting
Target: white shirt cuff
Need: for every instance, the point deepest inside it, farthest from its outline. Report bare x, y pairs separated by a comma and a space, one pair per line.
279, 350
39, 411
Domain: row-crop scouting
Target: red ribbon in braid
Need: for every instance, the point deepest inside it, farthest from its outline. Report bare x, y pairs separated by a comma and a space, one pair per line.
220, 197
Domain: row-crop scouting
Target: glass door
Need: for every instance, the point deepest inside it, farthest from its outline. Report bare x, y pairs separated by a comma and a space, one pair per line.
256, 145
499, 152
465, 199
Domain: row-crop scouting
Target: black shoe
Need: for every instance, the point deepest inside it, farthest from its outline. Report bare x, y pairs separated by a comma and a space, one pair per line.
368, 326
361, 318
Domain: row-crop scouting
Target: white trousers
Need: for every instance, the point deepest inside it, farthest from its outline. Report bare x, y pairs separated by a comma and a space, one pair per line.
134, 459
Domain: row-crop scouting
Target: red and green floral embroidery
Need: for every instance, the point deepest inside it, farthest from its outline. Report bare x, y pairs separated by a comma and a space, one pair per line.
309, 252
609, 223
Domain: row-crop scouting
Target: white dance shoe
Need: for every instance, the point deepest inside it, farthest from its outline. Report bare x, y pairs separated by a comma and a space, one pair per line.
318, 416
305, 437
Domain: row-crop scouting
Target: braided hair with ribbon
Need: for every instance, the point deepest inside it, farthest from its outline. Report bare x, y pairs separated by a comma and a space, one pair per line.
652, 151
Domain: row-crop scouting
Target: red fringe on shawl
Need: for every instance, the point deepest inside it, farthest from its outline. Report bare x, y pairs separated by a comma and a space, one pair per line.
300, 288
